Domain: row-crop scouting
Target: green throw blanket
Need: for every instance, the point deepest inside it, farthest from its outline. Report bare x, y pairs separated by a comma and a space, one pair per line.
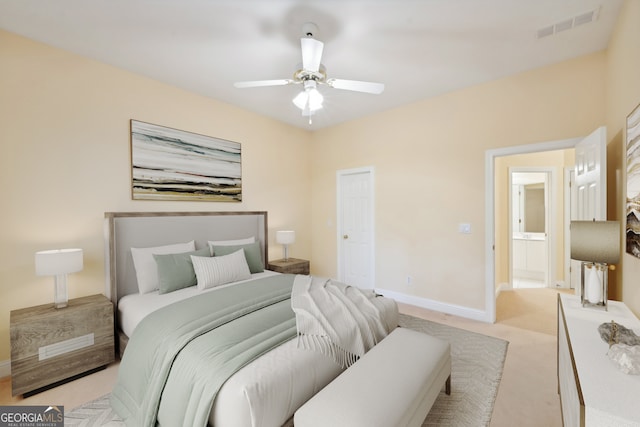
179, 356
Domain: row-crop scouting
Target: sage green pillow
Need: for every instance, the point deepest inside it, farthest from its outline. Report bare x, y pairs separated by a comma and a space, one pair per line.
251, 252
175, 271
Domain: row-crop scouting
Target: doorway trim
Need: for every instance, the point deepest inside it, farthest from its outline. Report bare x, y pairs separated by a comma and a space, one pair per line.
489, 206
569, 206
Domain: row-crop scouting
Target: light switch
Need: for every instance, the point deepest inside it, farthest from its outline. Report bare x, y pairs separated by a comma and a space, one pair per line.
464, 228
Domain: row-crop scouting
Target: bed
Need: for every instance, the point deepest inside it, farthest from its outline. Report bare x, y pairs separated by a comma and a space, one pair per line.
266, 390
126, 230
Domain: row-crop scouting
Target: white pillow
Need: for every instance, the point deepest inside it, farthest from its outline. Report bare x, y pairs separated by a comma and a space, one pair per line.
216, 271
235, 242
146, 267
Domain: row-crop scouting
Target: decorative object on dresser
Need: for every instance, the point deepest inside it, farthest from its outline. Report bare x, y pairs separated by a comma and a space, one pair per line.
593, 390
624, 346
285, 238
597, 245
50, 346
58, 263
290, 266
613, 333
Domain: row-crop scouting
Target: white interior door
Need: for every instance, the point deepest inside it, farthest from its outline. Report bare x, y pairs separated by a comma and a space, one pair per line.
589, 191
355, 227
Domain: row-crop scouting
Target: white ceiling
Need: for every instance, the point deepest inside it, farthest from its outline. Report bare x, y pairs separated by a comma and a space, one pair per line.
417, 48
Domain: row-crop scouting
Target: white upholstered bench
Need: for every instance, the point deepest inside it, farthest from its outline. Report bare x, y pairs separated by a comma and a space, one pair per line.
394, 384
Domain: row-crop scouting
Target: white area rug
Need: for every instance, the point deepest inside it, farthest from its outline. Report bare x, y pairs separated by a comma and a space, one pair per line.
476, 369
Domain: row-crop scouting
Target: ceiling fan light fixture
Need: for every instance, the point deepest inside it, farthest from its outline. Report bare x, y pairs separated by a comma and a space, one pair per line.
315, 100
310, 99
301, 100
311, 73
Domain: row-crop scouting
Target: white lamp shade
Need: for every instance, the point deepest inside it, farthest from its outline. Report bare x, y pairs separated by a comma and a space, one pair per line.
595, 241
301, 99
58, 261
315, 100
285, 237
310, 99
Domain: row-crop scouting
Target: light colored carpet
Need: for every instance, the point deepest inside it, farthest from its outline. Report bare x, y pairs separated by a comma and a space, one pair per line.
529, 309
477, 363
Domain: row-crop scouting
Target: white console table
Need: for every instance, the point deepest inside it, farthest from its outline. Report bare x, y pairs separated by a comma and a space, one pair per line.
593, 391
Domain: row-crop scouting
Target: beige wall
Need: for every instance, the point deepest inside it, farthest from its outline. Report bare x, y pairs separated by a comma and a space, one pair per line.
430, 175
66, 160
623, 94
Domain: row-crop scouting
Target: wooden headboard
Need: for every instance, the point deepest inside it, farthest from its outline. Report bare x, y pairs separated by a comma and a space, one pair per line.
126, 230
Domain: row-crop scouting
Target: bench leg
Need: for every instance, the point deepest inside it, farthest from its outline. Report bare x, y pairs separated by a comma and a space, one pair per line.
447, 386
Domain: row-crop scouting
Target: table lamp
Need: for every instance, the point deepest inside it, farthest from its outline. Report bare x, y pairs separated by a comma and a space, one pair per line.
597, 245
58, 263
285, 238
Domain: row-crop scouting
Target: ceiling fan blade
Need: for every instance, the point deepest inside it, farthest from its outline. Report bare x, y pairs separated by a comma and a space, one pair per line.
311, 53
261, 83
367, 87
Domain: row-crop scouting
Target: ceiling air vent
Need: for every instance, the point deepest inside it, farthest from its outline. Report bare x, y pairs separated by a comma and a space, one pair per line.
546, 31
585, 18
564, 25
568, 24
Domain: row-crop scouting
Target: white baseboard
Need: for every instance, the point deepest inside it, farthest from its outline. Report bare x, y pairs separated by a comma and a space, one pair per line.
503, 287
456, 310
5, 368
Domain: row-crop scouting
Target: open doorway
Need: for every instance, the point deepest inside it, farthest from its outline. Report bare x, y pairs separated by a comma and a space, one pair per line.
529, 219
530, 204
590, 155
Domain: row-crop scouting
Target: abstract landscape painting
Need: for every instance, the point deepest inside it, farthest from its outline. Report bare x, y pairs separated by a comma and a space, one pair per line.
633, 182
170, 164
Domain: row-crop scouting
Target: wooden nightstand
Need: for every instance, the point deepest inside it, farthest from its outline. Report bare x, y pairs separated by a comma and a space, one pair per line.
291, 266
50, 346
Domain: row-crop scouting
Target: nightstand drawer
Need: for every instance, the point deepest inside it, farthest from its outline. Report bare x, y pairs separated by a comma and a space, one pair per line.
50, 345
298, 269
291, 266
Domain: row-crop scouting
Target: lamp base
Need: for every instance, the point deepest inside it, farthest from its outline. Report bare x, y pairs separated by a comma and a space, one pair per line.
60, 294
594, 285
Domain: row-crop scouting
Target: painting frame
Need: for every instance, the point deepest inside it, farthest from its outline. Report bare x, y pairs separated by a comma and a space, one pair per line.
632, 141
169, 164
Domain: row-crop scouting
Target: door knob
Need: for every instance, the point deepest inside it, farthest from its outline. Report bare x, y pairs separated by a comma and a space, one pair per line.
346, 236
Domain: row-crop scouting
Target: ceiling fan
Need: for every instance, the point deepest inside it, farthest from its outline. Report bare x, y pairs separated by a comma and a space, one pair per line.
312, 73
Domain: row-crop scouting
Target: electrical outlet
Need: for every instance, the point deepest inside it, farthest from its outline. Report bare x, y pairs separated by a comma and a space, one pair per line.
409, 280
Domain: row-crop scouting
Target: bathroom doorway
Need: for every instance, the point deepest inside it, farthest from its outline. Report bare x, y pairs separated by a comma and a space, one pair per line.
530, 227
